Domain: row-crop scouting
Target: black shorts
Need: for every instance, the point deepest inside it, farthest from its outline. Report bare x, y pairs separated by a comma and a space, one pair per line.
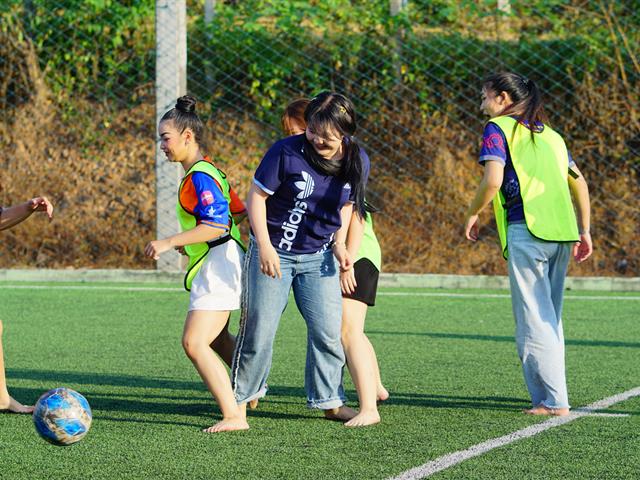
366, 275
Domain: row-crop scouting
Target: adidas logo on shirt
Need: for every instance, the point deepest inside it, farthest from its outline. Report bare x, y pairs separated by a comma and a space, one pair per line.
306, 185
296, 214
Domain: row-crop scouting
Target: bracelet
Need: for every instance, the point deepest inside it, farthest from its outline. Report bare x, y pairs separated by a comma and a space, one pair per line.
339, 244
585, 232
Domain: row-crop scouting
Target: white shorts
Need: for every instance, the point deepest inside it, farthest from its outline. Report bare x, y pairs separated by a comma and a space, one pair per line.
217, 286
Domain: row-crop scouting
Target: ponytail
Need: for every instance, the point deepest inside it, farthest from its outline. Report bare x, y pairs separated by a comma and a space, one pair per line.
331, 111
526, 96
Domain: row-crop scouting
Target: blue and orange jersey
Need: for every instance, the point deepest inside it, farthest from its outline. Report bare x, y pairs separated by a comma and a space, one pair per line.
202, 197
236, 206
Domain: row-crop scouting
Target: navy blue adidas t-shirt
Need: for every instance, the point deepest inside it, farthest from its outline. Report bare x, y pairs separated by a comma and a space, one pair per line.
495, 147
303, 208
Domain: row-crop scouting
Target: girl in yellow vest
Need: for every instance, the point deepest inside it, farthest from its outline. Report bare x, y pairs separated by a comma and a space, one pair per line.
530, 177
9, 217
211, 240
359, 286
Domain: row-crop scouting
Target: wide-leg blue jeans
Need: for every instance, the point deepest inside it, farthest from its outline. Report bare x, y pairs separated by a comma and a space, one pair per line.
316, 289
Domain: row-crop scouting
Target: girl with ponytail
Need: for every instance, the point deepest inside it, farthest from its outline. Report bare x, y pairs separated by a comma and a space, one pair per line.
207, 209
359, 287
304, 193
531, 179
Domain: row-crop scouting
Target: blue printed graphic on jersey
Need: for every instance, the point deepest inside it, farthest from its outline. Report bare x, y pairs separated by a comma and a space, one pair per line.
212, 208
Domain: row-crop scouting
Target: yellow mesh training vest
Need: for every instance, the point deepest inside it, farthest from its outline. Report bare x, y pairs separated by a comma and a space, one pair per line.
197, 252
542, 170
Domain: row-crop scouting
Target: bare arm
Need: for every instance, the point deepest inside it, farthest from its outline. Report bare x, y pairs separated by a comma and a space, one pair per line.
580, 193
340, 239
199, 234
345, 216
354, 240
257, 207
14, 215
488, 188
354, 234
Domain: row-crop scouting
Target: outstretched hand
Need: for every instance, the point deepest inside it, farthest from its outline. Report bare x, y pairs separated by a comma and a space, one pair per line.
41, 204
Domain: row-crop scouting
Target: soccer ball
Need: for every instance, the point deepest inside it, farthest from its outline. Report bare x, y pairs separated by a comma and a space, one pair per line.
62, 416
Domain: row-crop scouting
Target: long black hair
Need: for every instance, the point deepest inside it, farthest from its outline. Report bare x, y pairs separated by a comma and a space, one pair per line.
184, 116
331, 112
526, 96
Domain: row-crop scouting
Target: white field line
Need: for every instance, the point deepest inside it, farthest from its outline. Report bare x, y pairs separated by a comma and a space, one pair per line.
454, 458
500, 295
380, 293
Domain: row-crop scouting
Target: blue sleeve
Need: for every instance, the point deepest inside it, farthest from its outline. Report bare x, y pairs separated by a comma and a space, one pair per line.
270, 173
212, 208
493, 145
571, 162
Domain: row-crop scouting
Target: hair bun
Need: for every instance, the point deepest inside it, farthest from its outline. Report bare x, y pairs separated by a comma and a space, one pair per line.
186, 104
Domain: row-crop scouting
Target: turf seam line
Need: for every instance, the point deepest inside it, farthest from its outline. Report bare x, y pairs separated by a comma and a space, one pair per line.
380, 293
451, 459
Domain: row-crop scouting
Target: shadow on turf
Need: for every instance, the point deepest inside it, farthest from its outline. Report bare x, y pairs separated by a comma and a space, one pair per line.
454, 401
147, 402
499, 338
59, 378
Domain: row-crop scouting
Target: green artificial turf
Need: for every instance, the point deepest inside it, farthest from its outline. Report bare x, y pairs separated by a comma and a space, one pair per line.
450, 364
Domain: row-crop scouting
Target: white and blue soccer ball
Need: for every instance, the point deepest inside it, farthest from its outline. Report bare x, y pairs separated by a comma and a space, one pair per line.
62, 416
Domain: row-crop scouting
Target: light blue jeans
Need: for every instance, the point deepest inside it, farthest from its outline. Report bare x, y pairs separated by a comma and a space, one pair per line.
537, 270
316, 289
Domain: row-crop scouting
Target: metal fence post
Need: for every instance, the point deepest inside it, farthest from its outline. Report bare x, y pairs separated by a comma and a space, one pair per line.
504, 6
209, 15
171, 83
395, 7
209, 11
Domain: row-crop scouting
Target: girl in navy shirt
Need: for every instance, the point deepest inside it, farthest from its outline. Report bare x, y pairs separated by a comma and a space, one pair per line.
300, 204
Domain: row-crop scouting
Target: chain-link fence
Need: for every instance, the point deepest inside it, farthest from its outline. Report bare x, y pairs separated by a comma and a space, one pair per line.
78, 87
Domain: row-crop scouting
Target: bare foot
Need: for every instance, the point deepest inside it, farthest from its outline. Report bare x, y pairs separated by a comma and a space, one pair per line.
543, 410
341, 414
14, 406
228, 425
363, 419
383, 394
